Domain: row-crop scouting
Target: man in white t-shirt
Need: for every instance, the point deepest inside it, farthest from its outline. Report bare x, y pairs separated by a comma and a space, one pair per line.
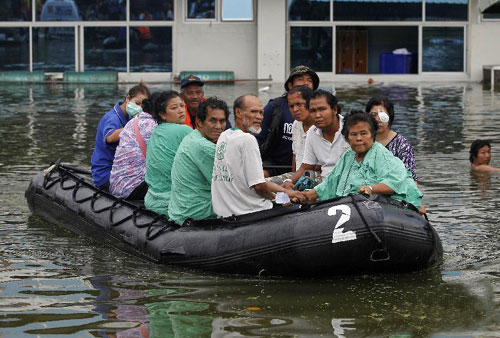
324, 141
238, 183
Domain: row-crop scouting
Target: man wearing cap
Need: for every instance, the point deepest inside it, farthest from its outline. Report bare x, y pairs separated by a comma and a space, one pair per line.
275, 139
192, 94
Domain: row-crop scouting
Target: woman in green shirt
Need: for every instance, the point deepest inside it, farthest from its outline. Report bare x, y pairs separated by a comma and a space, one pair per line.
162, 146
368, 167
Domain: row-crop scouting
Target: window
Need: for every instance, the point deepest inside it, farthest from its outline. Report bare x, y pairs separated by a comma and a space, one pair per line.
237, 10
81, 10
15, 10
54, 49
105, 48
446, 10
150, 49
492, 12
365, 49
443, 49
309, 10
14, 48
311, 46
201, 9
152, 10
377, 10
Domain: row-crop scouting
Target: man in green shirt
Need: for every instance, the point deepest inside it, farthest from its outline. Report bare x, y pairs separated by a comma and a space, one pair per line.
193, 164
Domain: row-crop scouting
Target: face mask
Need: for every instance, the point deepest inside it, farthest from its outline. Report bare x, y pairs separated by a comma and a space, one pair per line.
382, 115
133, 109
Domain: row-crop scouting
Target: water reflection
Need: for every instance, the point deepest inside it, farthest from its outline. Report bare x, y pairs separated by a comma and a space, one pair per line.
53, 282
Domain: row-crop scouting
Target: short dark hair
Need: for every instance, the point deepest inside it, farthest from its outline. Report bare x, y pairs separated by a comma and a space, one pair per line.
239, 102
356, 116
141, 88
381, 101
330, 99
212, 103
157, 103
475, 146
304, 91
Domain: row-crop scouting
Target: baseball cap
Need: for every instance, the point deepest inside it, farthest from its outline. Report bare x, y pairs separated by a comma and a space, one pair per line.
191, 79
299, 70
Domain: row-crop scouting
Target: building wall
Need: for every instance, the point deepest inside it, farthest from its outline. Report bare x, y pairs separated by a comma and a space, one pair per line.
215, 46
271, 42
484, 45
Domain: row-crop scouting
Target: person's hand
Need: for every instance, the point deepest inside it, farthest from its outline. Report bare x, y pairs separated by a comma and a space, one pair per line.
365, 189
288, 185
297, 196
422, 209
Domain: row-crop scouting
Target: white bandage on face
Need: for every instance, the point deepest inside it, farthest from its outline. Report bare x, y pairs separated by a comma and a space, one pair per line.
382, 115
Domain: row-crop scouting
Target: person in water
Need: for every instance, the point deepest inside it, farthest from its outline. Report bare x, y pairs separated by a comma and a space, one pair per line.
238, 183
162, 146
191, 195
480, 156
109, 130
368, 167
129, 166
382, 109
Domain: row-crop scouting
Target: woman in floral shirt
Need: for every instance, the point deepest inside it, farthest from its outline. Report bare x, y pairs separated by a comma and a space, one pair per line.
383, 110
129, 166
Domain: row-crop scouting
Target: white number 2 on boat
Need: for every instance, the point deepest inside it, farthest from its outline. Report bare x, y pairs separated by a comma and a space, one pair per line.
338, 233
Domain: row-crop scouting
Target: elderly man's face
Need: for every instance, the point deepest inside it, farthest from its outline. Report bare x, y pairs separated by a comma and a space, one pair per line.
251, 114
192, 96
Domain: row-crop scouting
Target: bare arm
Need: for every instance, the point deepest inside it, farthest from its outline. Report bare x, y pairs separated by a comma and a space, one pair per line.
115, 136
293, 163
263, 190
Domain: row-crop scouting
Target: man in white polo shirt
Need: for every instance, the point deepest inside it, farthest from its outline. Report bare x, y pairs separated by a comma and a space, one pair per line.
324, 141
238, 183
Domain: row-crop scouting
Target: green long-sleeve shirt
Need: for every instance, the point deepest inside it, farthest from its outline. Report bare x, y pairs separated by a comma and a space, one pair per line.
191, 195
378, 166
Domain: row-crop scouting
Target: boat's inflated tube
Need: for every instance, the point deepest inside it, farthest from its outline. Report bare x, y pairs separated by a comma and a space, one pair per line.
354, 234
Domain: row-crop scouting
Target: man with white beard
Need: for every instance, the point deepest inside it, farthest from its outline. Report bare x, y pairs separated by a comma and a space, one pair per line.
238, 183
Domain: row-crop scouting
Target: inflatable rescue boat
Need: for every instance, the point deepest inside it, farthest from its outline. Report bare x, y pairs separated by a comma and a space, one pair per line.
353, 234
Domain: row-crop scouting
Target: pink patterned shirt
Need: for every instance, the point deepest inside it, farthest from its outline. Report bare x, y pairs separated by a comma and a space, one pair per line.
129, 165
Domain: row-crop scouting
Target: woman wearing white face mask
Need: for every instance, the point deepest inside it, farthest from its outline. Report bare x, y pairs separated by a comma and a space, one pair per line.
109, 130
383, 110
129, 166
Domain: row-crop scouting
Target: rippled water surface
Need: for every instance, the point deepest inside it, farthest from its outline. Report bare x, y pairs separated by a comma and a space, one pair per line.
53, 282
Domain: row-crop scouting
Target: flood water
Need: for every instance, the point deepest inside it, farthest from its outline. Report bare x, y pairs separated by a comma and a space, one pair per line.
53, 282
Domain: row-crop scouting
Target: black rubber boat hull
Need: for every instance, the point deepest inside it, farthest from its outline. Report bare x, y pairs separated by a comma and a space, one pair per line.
328, 238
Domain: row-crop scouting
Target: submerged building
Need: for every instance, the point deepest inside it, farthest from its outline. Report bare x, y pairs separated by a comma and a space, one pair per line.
343, 40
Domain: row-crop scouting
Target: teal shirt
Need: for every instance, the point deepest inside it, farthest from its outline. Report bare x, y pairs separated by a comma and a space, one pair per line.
160, 154
378, 166
192, 179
